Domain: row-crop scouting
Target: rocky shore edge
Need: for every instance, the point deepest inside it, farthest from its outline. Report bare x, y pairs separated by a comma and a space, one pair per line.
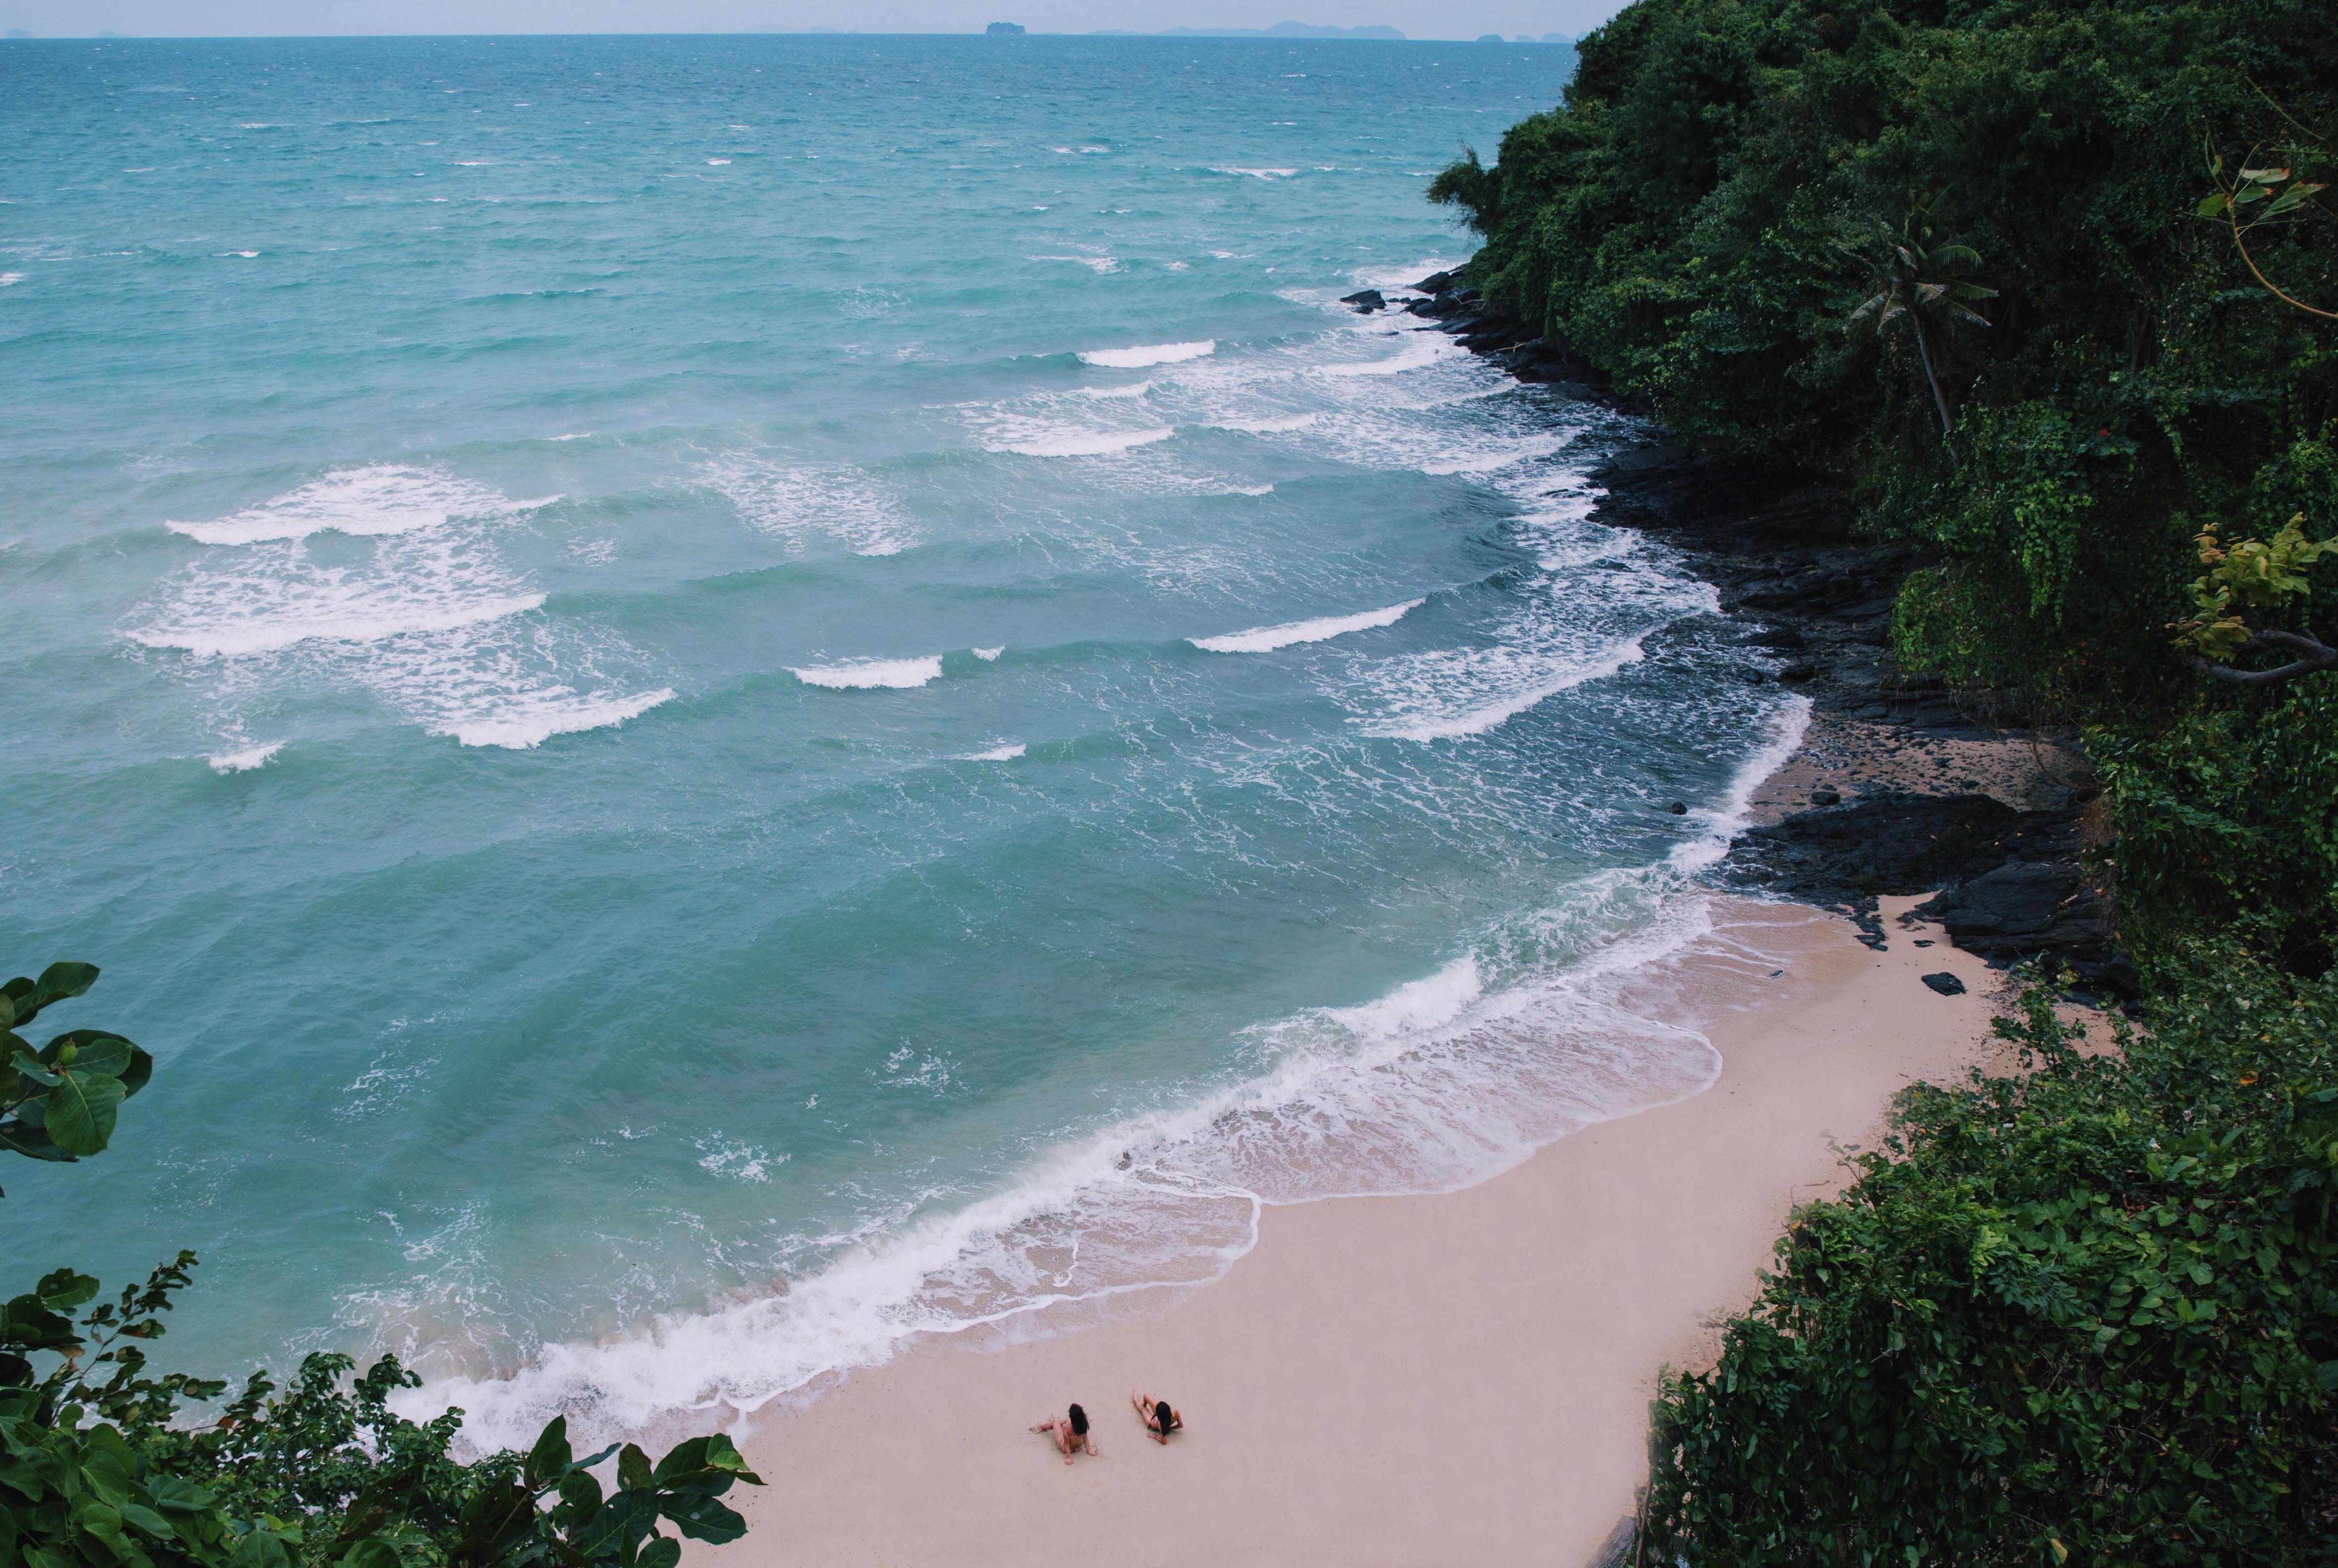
1906, 787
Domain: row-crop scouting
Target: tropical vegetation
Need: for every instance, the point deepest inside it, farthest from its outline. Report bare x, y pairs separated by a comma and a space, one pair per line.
2050, 291
103, 1466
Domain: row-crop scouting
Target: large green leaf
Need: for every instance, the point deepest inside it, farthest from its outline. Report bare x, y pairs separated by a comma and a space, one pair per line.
93, 1050
29, 1139
62, 1289
549, 1460
705, 1519
60, 981
373, 1552
260, 1549
146, 1519
80, 1116
177, 1495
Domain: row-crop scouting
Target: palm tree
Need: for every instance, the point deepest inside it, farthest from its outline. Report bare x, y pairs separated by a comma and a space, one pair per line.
1913, 281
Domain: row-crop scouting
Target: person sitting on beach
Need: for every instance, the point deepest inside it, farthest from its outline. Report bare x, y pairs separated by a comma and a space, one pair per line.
1159, 1419
1069, 1430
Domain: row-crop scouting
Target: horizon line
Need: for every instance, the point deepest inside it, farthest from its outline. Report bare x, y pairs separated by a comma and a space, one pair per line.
23, 35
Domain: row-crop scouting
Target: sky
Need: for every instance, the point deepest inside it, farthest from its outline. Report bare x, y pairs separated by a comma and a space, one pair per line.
214, 18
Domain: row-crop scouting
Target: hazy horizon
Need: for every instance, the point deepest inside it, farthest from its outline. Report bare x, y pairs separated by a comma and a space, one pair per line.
359, 18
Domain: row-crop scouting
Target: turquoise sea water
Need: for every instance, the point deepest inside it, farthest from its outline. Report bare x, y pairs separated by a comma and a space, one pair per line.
721, 700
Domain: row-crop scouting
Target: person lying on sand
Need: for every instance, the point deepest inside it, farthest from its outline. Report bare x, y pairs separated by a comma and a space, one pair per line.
1159, 1419
1069, 1430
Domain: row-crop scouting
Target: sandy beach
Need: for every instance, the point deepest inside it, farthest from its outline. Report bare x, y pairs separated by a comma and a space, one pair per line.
1398, 1381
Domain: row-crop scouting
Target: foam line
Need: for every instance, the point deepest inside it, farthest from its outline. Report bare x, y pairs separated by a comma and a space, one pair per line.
1478, 721
1145, 354
1266, 638
1440, 1083
245, 760
870, 674
382, 498
1091, 445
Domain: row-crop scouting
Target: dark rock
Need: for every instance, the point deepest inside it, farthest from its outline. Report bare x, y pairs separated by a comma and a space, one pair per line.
1794, 674
1923, 941
1364, 299
1826, 797
1678, 808
1895, 843
1435, 283
1946, 984
2024, 909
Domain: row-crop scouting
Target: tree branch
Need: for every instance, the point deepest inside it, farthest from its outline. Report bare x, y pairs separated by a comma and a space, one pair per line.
2318, 656
2232, 216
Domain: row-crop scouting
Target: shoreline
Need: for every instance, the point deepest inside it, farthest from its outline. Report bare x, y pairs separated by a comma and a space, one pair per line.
1402, 1380
1416, 1380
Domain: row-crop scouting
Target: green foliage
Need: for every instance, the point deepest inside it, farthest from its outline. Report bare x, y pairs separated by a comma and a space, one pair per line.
1729, 183
2087, 1312
2258, 575
59, 1103
2228, 819
101, 1468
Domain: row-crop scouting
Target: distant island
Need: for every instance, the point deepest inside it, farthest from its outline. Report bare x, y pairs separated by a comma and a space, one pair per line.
1005, 29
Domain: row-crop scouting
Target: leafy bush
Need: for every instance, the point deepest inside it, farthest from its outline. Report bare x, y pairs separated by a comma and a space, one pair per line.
2228, 820
2086, 1313
1736, 194
101, 1468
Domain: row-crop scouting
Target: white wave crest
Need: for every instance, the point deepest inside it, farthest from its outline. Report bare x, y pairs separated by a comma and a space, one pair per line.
870, 674
381, 498
1266, 638
999, 753
1441, 1083
1256, 174
1084, 444
527, 718
990, 655
1477, 720
1147, 353
245, 760
1403, 277
1425, 350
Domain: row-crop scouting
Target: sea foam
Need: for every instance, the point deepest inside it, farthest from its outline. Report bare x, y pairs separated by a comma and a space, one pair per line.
1084, 444
381, 498
1266, 638
245, 760
870, 674
1148, 354
1440, 1083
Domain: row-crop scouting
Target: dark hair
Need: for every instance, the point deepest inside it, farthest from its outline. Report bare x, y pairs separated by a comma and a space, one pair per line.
1164, 1416
1079, 1422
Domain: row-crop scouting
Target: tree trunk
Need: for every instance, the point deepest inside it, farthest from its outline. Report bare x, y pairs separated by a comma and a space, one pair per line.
1939, 402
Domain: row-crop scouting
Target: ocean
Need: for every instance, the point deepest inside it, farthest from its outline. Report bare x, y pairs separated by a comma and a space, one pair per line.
720, 701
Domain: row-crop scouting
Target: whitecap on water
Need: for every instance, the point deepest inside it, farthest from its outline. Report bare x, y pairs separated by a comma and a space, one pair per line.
245, 760
1145, 354
420, 607
807, 506
1266, 638
870, 674
1085, 444
379, 498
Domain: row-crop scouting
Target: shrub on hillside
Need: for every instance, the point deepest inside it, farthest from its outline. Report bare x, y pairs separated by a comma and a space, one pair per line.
2086, 1313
